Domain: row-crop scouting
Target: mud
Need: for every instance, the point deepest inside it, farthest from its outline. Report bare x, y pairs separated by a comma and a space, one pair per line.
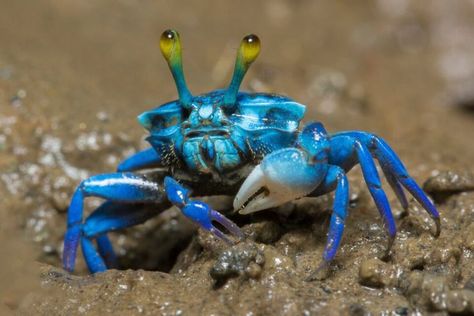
73, 77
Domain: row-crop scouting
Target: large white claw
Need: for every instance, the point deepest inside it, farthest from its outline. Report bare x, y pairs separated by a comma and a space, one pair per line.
271, 194
281, 177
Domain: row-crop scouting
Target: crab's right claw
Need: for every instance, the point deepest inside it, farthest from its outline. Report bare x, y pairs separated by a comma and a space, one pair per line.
282, 176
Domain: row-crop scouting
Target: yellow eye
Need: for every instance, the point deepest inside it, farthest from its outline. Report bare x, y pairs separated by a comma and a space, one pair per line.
170, 45
248, 52
250, 48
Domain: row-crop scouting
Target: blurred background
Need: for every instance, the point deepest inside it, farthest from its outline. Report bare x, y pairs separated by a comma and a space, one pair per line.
75, 74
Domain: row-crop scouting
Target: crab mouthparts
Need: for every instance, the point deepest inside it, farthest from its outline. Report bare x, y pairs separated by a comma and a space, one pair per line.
203, 133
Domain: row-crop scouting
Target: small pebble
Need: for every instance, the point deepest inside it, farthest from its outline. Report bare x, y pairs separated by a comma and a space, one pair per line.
253, 270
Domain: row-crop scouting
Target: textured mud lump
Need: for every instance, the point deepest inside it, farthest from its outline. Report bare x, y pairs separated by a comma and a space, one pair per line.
449, 182
242, 259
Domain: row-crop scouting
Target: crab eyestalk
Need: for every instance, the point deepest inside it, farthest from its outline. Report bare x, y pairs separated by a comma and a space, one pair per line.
170, 46
248, 52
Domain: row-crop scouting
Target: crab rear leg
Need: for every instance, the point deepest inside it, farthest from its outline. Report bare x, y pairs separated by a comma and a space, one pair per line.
374, 184
392, 164
346, 152
118, 187
396, 186
127, 188
387, 156
106, 251
335, 178
108, 217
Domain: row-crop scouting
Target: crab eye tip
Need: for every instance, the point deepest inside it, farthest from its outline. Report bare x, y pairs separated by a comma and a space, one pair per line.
169, 41
169, 34
250, 48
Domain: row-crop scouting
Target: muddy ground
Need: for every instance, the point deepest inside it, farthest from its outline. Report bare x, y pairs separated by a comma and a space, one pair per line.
74, 76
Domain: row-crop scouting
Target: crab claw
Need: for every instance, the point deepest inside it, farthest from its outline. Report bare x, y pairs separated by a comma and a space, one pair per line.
200, 212
282, 176
204, 215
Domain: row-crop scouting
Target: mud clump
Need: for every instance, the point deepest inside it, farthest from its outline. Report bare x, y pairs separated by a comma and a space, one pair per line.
242, 259
434, 293
447, 183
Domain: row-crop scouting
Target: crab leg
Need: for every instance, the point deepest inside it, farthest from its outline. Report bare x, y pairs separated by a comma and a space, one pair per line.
396, 186
127, 188
108, 217
106, 251
387, 158
94, 261
113, 216
336, 176
374, 184
119, 187
147, 158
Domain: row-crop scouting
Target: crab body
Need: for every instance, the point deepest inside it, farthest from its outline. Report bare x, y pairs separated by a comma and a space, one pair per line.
210, 140
247, 145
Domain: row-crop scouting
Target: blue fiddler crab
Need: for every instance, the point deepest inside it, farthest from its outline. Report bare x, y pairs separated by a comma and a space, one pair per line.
233, 143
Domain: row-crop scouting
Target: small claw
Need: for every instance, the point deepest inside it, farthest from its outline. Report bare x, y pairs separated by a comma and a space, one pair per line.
202, 214
228, 224
282, 176
199, 212
216, 232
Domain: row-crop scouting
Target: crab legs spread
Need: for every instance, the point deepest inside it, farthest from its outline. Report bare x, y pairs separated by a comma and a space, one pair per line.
248, 145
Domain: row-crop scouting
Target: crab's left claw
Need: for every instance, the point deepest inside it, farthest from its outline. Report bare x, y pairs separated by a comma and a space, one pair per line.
204, 215
200, 212
282, 176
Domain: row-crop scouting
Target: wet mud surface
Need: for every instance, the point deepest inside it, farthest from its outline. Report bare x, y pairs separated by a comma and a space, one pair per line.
74, 76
